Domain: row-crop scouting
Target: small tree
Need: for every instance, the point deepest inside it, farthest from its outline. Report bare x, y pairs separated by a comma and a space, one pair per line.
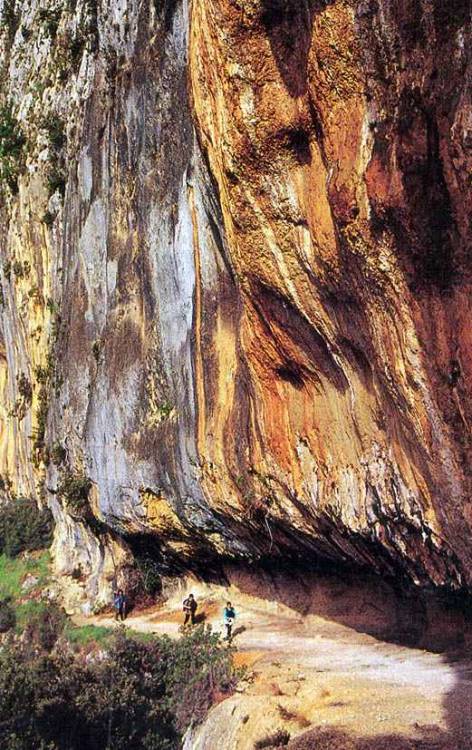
24, 527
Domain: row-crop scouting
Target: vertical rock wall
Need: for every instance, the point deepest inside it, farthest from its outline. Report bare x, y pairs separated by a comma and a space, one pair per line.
246, 318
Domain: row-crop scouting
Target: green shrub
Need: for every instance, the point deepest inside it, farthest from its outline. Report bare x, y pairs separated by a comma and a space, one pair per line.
56, 132
35, 293
132, 698
21, 270
76, 50
5, 483
57, 454
12, 142
24, 527
25, 389
23, 402
50, 21
96, 351
52, 306
74, 491
57, 138
45, 628
199, 670
47, 378
41, 374
150, 575
7, 269
7, 617
165, 409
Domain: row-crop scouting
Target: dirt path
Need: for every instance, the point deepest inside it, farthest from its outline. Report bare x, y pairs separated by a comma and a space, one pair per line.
305, 672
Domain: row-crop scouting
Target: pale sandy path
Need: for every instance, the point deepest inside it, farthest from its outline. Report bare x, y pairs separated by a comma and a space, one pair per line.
319, 671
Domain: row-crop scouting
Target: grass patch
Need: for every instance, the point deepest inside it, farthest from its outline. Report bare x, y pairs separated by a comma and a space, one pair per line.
85, 634
28, 611
14, 570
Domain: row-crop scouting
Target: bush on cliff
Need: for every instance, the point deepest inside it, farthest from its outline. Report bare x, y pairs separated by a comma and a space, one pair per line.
7, 617
24, 527
73, 491
12, 142
136, 694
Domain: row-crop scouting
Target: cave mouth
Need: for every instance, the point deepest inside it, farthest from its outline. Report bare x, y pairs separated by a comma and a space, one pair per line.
391, 609
388, 608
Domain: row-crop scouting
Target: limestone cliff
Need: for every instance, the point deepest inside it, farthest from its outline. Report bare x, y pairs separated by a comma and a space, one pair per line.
235, 278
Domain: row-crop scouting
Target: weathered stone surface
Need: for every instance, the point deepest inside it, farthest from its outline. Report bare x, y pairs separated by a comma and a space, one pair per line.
255, 292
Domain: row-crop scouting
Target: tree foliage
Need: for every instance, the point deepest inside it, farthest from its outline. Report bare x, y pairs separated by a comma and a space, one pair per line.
24, 527
136, 694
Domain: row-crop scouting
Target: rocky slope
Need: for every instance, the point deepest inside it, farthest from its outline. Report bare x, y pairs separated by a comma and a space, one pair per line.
235, 279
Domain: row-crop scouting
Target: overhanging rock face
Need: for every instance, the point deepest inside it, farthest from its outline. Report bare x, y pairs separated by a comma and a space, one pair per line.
235, 276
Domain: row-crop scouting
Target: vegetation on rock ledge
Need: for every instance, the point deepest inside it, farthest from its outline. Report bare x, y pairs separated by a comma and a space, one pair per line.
74, 491
12, 142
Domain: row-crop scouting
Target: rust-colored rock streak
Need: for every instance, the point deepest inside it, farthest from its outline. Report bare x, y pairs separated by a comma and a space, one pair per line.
251, 305
340, 153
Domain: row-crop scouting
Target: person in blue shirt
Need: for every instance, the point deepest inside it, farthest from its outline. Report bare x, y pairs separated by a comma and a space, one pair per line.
229, 616
119, 603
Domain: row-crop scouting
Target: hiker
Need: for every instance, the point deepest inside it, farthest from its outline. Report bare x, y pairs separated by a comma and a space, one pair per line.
229, 616
119, 602
189, 607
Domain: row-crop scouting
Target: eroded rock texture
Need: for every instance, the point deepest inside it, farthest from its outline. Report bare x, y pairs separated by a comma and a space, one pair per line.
250, 308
